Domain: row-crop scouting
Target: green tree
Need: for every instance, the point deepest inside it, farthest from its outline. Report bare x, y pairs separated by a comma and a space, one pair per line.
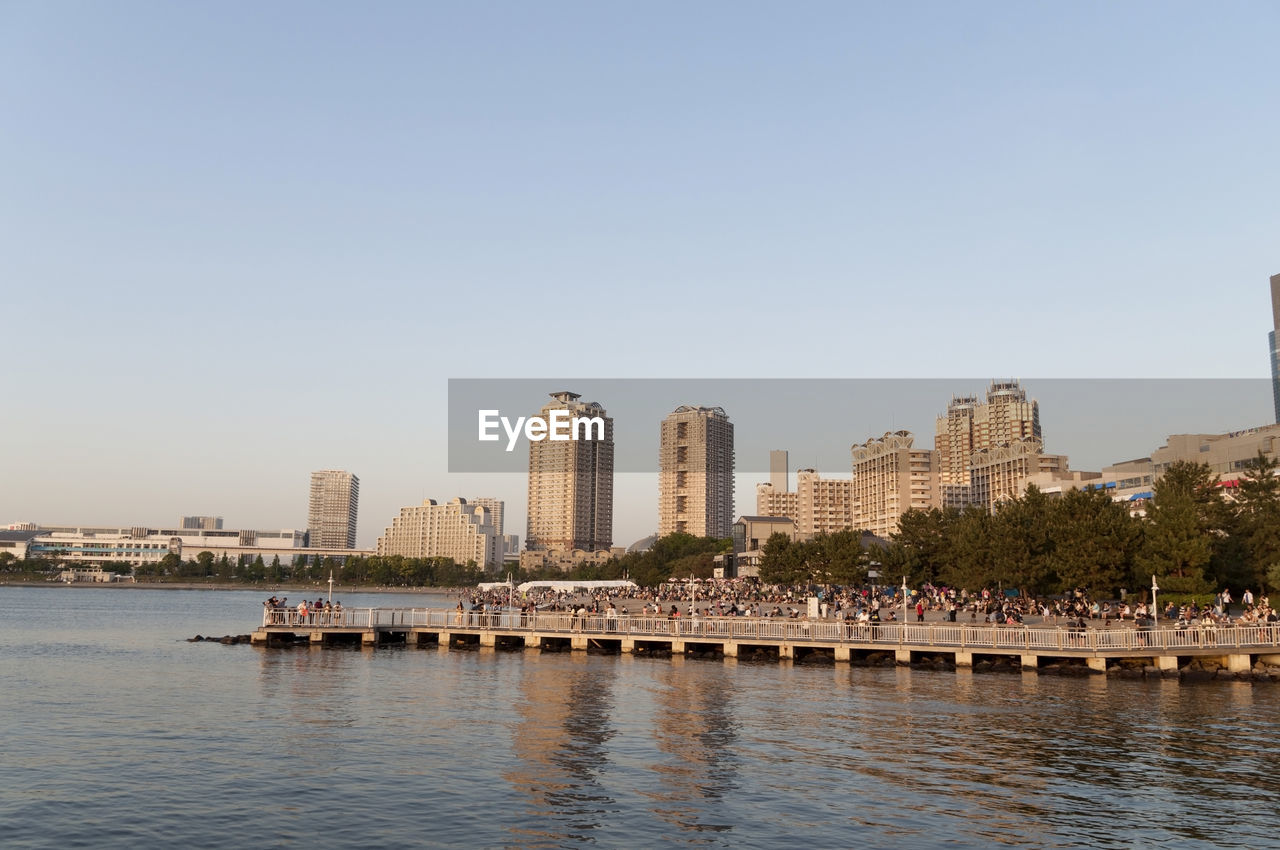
204, 561
922, 546
782, 561
1095, 542
972, 551
170, 564
1257, 514
1179, 523
1021, 543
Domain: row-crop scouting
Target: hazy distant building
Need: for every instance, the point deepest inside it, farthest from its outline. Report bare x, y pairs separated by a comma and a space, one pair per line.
1275, 348
496, 509
695, 472
208, 523
331, 518
970, 426
141, 544
891, 477
779, 471
457, 530
571, 484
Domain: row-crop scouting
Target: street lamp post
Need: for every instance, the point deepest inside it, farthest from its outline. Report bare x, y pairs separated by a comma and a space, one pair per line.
1155, 608
904, 600
331, 585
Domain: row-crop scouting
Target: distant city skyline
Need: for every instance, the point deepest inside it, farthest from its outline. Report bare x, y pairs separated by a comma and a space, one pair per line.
271, 256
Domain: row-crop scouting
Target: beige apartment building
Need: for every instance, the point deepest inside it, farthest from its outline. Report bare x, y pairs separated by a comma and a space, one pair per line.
772, 502
456, 529
823, 505
695, 472
891, 477
970, 426
571, 483
1002, 472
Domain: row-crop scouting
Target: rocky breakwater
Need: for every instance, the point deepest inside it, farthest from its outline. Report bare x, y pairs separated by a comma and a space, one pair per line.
227, 640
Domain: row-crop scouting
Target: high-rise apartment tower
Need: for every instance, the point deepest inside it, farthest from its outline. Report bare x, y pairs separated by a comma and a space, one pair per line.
331, 519
970, 426
571, 482
695, 472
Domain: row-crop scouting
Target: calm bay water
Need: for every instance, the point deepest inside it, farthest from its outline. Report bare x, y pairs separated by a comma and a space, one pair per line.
118, 732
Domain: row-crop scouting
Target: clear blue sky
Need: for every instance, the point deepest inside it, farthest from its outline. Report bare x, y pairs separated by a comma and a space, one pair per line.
242, 241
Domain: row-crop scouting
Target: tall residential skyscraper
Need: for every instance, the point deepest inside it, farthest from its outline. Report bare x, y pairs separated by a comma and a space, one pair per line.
1275, 349
331, 519
571, 484
969, 426
695, 472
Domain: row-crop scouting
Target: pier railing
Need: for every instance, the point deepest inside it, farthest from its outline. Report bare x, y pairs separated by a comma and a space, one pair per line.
743, 629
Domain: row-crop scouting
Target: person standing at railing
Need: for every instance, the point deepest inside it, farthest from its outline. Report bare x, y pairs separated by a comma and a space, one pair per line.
302, 613
611, 618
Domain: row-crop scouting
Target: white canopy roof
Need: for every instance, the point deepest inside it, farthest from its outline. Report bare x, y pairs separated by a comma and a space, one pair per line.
569, 586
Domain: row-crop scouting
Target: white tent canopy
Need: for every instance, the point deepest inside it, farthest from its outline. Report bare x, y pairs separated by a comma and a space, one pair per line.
486, 586
571, 586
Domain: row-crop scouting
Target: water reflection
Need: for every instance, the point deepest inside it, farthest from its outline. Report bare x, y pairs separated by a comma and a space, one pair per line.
695, 728
560, 744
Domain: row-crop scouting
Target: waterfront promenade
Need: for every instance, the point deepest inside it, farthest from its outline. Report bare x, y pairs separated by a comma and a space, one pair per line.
1236, 648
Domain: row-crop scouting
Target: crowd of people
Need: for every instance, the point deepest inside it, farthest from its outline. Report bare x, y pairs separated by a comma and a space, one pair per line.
319, 613
746, 597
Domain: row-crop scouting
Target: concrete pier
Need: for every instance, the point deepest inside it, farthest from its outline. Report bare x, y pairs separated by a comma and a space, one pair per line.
1235, 650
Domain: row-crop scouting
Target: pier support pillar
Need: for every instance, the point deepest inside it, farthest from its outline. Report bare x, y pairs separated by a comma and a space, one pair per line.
628, 645
578, 642
902, 656
1030, 662
730, 649
1098, 665
317, 637
964, 659
843, 653
677, 647
369, 638
1239, 663
258, 638
488, 639
786, 650
1167, 662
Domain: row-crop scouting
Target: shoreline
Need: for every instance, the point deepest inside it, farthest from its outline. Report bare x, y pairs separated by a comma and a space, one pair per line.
322, 587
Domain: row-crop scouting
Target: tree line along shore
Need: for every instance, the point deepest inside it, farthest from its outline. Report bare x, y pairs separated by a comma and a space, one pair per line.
1193, 536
